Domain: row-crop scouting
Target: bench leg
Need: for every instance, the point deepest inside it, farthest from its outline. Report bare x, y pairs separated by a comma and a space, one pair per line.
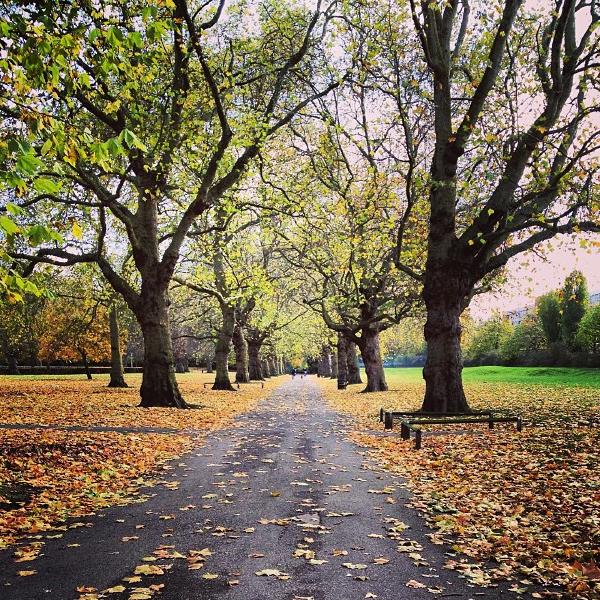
388, 421
404, 431
381, 415
418, 435
491, 422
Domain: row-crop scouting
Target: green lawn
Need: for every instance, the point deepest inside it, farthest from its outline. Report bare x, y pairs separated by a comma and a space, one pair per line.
554, 376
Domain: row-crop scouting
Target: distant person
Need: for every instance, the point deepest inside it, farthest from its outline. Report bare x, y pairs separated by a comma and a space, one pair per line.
293, 373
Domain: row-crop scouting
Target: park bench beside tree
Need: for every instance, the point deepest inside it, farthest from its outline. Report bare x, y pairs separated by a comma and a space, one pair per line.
512, 97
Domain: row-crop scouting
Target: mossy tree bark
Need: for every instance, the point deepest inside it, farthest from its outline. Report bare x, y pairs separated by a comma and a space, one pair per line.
371, 354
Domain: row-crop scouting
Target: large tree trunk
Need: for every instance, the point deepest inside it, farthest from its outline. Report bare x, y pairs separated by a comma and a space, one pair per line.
371, 355
443, 368
254, 364
116, 359
159, 386
342, 362
222, 350
352, 363
242, 373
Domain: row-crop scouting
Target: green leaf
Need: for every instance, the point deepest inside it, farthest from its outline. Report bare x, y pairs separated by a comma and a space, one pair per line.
38, 234
131, 140
135, 38
45, 186
13, 209
28, 164
8, 225
46, 147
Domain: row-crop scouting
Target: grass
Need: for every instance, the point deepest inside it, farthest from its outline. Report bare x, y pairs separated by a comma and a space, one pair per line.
545, 376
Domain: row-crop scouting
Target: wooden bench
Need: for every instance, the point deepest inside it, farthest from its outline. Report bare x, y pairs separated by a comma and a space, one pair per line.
387, 416
413, 421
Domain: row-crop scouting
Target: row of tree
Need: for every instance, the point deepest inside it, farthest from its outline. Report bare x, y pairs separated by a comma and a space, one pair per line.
561, 330
358, 161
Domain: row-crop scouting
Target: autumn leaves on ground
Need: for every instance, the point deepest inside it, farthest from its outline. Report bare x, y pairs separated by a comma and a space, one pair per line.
529, 503
525, 506
47, 475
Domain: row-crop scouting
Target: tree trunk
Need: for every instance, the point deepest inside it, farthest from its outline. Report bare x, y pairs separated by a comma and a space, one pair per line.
342, 362
159, 386
242, 373
222, 350
334, 365
352, 363
116, 359
266, 371
324, 366
254, 364
371, 355
13, 367
86, 364
443, 368
272, 366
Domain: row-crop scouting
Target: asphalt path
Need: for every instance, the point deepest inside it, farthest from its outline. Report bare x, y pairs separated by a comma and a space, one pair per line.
282, 492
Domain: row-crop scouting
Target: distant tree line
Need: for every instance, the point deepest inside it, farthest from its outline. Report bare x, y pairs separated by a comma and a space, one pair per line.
562, 329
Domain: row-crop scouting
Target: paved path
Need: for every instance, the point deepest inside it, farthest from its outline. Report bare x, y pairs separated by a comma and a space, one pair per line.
284, 480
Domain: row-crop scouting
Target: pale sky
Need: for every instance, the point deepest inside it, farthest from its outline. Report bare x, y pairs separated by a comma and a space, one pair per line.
530, 275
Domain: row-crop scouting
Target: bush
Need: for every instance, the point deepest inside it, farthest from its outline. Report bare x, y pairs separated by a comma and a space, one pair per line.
588, 332
487, 340
528, 341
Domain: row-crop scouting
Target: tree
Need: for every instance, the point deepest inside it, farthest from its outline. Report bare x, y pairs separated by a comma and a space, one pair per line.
352, 363
117, 378
19, 324
488, 339
76, 329
573, 304
145, 116
588, 333
501, 178
349, 258
527, 340
548, 311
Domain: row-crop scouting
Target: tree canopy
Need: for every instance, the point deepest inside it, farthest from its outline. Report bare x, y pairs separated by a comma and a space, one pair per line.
268, 164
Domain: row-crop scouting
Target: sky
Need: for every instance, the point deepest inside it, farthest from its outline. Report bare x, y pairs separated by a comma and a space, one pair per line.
530, 275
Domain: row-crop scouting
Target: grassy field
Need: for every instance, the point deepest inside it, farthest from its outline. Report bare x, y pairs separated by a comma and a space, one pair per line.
545, 376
